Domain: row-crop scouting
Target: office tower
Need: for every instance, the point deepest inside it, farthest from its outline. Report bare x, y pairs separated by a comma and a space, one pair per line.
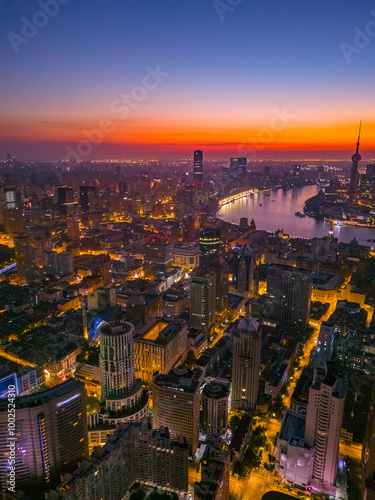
65, 200
214, 409
243, 271
25, 257
72, 226
247, 344
158, 254
326, 340
122, 393
290, 289
176, 403
237, 168
51, 430
198, 169
159, 346
220, 268
323, 421
354, 174
87, 199
368, 453
267, 176
294, 457
202, 300
209, 244
215, 466
135, 452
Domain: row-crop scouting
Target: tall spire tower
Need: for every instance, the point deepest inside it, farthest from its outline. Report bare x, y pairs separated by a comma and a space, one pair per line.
354, 175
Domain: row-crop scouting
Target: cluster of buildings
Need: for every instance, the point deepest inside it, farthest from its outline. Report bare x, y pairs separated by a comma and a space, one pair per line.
135, 324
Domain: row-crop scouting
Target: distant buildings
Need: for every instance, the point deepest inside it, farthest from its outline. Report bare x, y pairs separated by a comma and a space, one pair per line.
51, 430
247, 343
198, 169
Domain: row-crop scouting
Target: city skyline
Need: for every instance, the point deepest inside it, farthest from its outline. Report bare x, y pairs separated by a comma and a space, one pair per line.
233, 80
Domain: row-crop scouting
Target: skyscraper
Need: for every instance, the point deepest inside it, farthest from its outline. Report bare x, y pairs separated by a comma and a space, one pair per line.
51, 430
122, 393
237, 168
323, 422
247, 344
198, 169
214, 409
202, 300
86, 198
290, 289
157, 254
209, 244
65, 200
354, 174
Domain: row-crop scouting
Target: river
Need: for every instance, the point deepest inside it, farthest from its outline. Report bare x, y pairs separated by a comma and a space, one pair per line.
280, 214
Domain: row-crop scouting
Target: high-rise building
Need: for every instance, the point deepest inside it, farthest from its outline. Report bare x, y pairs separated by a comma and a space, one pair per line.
176, 403
87, 198
51, 430
135, 452
354, 174
202, 300
159, 346
65, 200
209, 244
121, 391
323, 422
158, 254
214, 483
220, 268
238, 168
214, 409
267, 177
290, 289
247, 344
25, 258
72, 226
198, 169
243, 271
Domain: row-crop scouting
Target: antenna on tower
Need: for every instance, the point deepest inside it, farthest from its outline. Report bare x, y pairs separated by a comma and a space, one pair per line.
359, 134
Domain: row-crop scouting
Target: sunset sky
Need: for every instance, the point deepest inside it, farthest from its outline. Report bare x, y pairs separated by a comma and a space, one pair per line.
226, 78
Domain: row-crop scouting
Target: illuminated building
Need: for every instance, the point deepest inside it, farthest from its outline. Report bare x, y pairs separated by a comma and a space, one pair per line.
186, 255
354, 174
202, 300
243, 271
176, 403
323, 422
158, 254
135, 452
123, 398
294, 456
214, 409
198, 169
158, 347
247, 344
237, 168
220, 268
51, 431
290, 289
209, 244
72, 226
